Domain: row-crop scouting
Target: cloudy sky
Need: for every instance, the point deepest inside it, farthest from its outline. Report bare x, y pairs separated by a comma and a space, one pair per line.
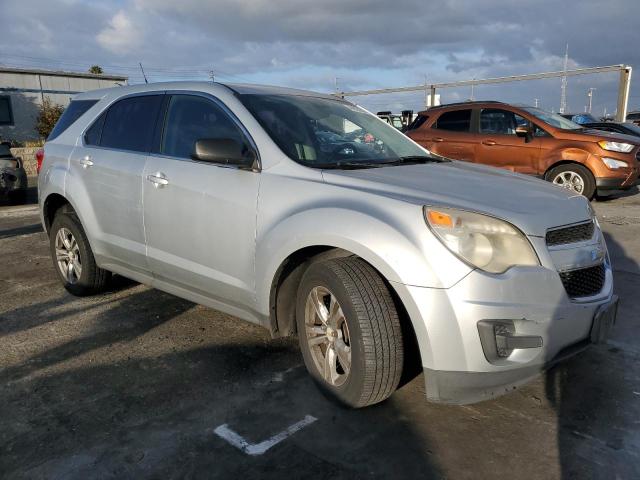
355, 44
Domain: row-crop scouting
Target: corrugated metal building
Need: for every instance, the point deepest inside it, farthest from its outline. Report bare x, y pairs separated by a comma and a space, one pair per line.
23, 90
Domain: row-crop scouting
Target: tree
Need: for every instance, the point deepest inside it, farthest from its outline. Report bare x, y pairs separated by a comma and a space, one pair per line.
48, 115
96, 69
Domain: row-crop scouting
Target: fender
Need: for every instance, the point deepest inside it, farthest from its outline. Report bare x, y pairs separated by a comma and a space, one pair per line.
395, 249
564, 154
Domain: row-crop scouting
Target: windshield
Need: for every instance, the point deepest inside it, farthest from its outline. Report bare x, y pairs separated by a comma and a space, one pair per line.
552, 119
325, 133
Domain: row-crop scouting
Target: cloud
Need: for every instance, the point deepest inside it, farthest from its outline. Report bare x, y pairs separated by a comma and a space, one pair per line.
306, 43
121, 35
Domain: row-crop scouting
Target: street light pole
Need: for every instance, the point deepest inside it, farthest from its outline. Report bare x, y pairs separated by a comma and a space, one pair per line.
590, 95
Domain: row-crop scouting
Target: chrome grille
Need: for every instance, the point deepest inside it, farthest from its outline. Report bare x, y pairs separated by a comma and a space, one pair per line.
572, 234
583, 282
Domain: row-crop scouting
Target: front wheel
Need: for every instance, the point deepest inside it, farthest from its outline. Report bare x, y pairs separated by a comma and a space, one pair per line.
573, 177
349, 331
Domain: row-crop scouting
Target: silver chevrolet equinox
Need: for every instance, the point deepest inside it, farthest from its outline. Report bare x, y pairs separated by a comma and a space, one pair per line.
306, 214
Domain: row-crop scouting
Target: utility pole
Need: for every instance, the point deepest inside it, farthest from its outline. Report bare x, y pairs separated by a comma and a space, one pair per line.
211, 76
426, 93
563, 88
535, 102
590, 95
335, 83
472, 85
143, 75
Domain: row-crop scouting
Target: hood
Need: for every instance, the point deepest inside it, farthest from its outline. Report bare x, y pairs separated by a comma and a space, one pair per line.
530, 204
594, 135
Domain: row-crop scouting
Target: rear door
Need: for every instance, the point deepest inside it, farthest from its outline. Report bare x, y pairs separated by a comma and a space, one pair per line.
109, 165
451, 135
200, 217
499, 145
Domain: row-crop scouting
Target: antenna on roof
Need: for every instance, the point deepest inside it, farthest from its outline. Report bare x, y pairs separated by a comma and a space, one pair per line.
142, 69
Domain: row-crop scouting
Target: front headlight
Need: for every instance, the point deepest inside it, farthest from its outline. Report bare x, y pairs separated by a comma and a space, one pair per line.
485, 242
616, 146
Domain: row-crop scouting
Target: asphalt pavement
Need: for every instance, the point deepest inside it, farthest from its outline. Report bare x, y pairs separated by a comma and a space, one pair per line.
136, 383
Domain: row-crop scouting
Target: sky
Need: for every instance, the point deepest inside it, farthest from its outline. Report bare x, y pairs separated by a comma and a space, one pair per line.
348, 44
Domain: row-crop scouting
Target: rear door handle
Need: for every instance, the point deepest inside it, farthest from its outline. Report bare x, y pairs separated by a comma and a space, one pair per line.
158, 179
438, 139
86, 161
488, 142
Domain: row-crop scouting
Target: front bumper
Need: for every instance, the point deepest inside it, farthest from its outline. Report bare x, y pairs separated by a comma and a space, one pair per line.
532, 299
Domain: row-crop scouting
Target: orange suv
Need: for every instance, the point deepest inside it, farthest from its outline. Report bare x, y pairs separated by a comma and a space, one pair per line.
530, 140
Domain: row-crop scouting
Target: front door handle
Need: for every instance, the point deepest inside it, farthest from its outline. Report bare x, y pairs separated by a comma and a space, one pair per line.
158, 179
86, 161
489, 143
438, 139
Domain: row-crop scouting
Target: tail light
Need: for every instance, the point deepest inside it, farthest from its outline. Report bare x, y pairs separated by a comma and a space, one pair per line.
39, 159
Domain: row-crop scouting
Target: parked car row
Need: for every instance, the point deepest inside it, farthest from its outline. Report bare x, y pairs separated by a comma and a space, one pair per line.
531, 141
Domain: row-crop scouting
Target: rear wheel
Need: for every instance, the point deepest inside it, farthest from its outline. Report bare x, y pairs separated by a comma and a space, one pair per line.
349, 331
573, 177
73, 258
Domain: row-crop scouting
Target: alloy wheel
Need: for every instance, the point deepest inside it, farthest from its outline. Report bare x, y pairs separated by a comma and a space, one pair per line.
570, 180
327, 334
68, 256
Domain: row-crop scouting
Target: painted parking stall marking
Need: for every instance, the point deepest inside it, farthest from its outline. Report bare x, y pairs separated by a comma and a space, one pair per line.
224, 432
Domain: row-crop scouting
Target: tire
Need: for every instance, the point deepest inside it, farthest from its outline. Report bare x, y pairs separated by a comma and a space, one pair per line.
584, 174
92, 279
373, 332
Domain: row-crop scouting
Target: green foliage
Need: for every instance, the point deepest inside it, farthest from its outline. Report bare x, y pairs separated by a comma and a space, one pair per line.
48, 115
96, 69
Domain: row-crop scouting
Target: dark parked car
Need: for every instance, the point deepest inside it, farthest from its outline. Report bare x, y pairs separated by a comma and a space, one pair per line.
580, 118
626, 128
13, 178
634, 117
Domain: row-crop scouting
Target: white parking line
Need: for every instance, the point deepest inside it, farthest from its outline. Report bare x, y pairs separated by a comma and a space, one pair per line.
224, 432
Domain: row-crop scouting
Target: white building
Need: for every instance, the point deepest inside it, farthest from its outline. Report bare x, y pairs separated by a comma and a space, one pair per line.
23, 90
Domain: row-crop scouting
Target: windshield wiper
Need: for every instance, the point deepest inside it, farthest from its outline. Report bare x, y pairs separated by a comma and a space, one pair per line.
347, 165
416, 159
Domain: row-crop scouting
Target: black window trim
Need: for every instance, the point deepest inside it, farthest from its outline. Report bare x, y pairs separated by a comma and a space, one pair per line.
11, 121
160, 124
150, 93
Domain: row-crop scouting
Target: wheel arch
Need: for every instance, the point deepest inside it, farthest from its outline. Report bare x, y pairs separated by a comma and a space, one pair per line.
51, 205
283, 292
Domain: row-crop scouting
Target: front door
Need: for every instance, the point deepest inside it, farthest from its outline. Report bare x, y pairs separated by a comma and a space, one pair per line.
200, 217
499, 146
110, 161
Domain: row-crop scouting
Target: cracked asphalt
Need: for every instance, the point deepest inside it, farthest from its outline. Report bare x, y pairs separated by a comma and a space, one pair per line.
133, 383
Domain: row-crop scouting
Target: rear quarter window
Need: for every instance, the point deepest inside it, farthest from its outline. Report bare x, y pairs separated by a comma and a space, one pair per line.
73, 112
418, 122
454, 121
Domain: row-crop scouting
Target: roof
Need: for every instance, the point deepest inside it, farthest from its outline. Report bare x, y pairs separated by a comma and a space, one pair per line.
200, 85
62, 73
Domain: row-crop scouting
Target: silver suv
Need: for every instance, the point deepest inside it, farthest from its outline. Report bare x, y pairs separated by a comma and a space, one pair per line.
306, 214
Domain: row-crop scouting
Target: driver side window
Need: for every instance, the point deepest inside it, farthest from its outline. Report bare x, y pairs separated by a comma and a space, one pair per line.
499, 122
191, 118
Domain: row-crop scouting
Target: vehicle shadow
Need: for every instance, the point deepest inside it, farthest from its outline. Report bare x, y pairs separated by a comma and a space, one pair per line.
133, 398
595, 394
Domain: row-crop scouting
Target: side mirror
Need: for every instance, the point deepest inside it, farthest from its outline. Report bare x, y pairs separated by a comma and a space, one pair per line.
225, 151
524, 131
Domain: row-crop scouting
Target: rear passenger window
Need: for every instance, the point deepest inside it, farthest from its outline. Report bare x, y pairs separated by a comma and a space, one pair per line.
455, 121
129, 123
499, 122
73, 112
191, 118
